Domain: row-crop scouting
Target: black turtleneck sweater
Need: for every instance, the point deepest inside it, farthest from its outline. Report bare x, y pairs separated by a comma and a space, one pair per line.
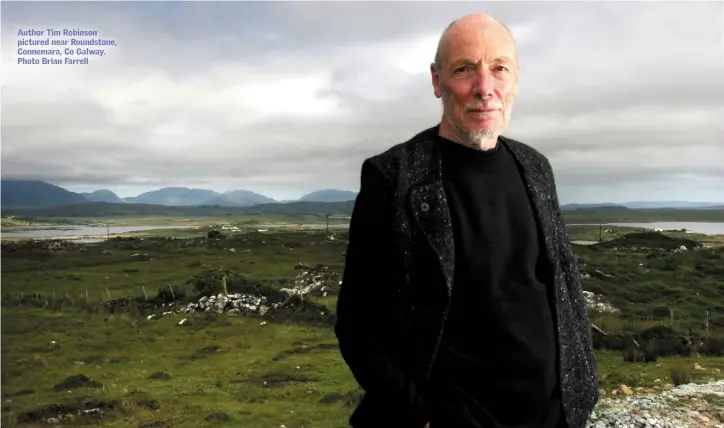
497, 364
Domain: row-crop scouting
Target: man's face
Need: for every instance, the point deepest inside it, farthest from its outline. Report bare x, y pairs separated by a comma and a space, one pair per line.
477, 79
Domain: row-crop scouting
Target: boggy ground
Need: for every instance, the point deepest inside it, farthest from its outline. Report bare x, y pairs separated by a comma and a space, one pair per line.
69, 360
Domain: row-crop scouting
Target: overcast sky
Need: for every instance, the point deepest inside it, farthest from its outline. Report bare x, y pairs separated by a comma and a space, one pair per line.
626, 99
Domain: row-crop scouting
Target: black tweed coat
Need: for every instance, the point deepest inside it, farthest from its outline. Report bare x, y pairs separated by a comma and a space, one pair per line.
398, 275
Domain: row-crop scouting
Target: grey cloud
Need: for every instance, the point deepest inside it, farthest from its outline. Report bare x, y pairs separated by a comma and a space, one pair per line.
372, 21
706, 91
580, 61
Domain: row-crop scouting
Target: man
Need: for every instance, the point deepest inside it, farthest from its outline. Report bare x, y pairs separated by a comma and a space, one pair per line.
461, 304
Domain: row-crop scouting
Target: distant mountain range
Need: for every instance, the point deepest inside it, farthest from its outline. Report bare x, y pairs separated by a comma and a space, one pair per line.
25, 193
329, 195
39, 194
97, 196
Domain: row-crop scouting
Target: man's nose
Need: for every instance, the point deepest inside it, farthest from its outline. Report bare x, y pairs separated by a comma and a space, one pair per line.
484, 84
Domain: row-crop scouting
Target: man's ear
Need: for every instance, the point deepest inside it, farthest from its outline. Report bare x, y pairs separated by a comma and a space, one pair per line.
435, 80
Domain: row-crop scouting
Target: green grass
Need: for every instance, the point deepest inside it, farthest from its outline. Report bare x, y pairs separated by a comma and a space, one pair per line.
613, 371
122, 352
649, 285
155, 373
607, 233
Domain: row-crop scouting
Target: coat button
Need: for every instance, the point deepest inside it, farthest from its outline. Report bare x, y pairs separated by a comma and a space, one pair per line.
424, 207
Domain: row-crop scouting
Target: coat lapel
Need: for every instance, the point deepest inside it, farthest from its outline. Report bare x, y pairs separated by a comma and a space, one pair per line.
429, 206
537, 182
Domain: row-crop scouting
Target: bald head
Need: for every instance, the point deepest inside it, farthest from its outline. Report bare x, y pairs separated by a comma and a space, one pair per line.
476, 74
477, 22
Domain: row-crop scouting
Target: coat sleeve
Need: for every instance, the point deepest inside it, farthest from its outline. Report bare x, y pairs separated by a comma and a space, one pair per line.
368, 325
569, 265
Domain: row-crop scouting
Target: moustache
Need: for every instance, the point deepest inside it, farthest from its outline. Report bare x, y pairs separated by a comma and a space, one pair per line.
485, 106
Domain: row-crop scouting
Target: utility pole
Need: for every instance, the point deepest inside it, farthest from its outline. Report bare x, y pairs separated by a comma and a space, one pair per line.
600, 233
327, 227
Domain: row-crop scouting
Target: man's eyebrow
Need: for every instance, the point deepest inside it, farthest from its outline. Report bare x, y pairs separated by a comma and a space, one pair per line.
465, 61
503, 59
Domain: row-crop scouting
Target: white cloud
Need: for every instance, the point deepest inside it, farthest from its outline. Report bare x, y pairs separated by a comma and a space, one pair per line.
285, 98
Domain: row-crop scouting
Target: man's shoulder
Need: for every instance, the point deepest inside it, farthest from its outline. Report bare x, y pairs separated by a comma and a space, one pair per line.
417, 152
526, 153
405, 154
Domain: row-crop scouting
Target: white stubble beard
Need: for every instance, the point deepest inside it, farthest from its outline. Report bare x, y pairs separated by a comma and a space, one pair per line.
485, 139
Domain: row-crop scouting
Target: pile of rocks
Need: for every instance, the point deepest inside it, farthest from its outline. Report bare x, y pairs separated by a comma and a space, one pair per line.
596, 303
232, 304
686, 406
316, 281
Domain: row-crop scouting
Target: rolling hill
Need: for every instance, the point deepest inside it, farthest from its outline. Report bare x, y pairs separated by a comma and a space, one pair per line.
174, 196
596, 208
39, 198
329, 195
239, 198
575, 206
671, 204
36, 194
102, 195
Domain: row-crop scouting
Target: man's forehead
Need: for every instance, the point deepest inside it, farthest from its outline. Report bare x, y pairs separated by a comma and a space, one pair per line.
481, 48
479, 25
476, 34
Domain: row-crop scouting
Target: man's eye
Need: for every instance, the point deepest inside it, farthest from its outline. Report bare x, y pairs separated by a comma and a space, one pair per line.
501, 68
464, 70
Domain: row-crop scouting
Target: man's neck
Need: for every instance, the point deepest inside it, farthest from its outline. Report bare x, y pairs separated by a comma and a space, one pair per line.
483, 144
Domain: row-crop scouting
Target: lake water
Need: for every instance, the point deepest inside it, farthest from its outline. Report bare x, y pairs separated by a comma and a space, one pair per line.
85, 232
706, 228
70, 232
582, 242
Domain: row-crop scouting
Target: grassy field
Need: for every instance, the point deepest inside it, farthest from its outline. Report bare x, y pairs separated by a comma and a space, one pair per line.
598, 216
606, 233
64, 352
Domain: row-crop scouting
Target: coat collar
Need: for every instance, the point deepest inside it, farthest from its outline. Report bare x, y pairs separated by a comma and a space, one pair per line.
428, 201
